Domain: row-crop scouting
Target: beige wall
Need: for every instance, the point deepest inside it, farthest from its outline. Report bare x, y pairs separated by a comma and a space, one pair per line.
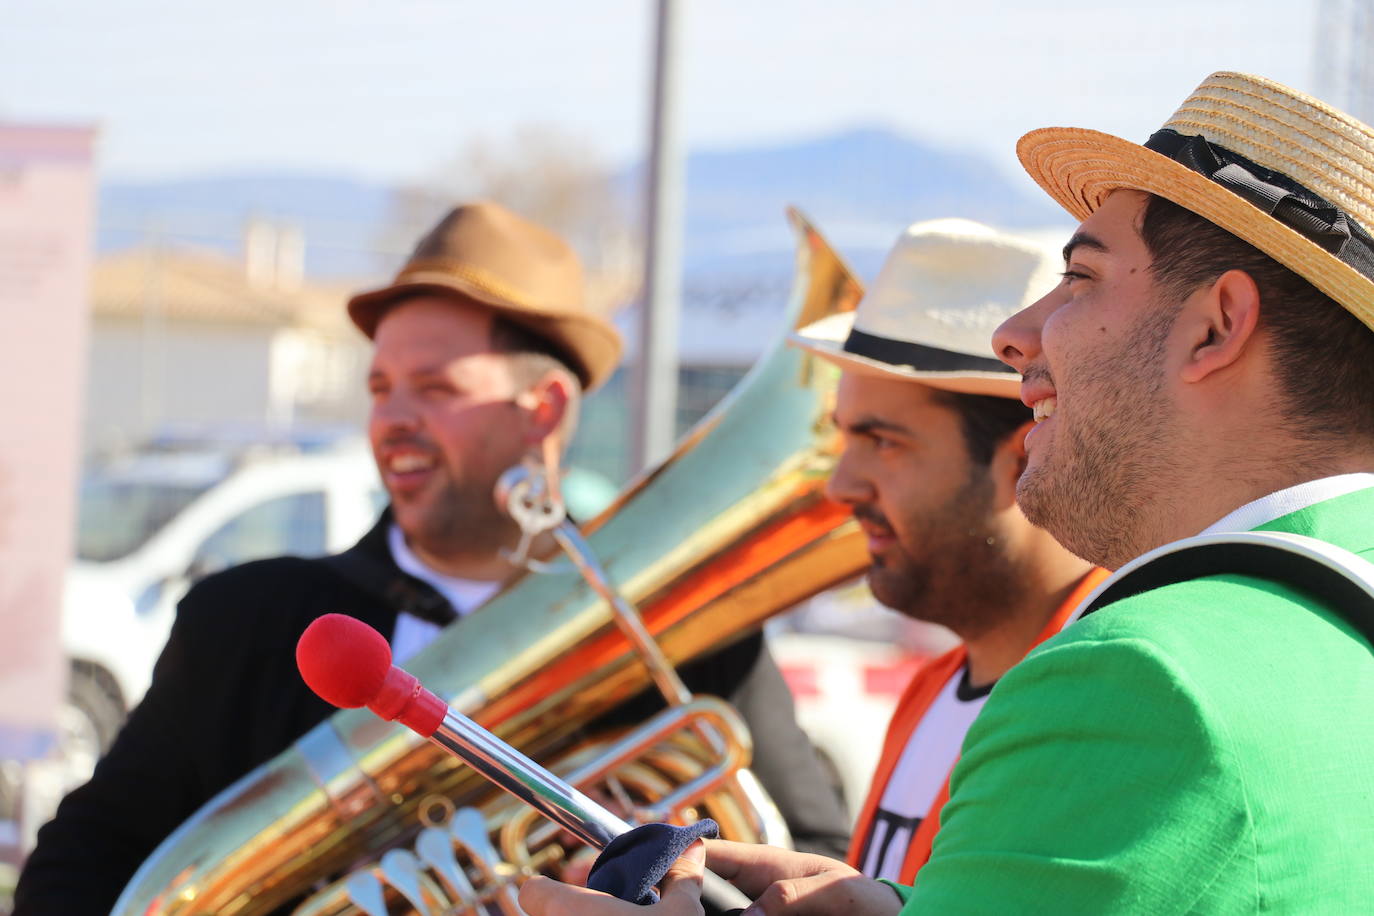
147, 376
144, 377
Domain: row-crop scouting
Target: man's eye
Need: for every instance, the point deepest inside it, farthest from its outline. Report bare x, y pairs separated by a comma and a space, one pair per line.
1072, 275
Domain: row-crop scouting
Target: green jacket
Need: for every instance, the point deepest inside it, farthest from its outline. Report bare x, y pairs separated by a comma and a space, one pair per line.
1206, 747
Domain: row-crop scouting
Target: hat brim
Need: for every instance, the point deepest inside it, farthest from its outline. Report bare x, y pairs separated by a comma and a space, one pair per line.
1079, 168
592, 344
1002, 385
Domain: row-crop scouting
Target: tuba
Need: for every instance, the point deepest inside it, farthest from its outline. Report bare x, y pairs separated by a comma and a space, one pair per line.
362, 816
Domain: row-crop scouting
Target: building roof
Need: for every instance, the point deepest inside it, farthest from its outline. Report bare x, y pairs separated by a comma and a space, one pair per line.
198, 285
192, 285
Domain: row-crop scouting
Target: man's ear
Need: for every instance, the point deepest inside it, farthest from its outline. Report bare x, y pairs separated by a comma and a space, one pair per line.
1220, 322
1008, 462
545, 404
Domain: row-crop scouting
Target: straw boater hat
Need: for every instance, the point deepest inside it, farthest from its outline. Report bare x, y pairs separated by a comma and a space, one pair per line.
1290, 175
522, 271
929, 317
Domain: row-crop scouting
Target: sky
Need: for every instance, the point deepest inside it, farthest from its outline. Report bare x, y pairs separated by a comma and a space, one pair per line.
391, 90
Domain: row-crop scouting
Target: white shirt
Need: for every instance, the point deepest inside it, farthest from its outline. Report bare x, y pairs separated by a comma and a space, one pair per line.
413, 634
919, 775
1284, 502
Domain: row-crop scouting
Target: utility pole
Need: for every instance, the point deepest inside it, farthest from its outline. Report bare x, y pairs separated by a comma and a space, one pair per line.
654, 393
1362, 60
1344, 56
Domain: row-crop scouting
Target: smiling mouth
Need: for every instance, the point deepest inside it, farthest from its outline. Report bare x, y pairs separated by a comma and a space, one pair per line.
879, 535
409, 462
1044, 408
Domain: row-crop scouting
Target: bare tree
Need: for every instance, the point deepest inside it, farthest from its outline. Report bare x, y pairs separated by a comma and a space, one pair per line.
549, 176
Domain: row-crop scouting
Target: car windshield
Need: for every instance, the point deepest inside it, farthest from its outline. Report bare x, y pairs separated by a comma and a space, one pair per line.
122, 507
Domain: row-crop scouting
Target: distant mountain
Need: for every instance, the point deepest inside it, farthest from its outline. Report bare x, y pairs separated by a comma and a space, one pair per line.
861, 187
342, 219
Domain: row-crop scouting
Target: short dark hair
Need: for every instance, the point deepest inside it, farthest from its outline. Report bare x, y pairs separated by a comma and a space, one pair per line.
1323, 355
534, 354
531, 357
987, 420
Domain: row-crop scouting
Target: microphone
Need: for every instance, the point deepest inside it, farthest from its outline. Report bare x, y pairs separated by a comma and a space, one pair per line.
348, 664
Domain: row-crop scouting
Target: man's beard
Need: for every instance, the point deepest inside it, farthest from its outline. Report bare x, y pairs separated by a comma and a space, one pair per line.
1102, 488
960, 575
461, 520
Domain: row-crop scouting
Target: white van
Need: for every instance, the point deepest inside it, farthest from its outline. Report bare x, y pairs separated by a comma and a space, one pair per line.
151, 524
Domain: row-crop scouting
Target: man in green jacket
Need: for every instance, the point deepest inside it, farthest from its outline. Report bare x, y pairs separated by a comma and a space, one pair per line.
1207, 365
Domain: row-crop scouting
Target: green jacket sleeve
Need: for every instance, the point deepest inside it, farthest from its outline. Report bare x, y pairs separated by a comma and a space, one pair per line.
903, 892
1092, 782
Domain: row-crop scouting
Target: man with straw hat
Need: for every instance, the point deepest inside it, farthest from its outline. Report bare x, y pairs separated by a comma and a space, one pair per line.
482, 347
1204, 379
933, 430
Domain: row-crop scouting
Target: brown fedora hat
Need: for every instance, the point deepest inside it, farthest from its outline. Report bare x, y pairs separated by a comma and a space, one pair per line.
528, 275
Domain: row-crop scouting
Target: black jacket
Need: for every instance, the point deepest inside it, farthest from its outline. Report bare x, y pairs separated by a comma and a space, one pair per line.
226, 696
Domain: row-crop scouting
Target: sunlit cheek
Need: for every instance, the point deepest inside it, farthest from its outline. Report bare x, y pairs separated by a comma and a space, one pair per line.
1054, 323
888, 493
1059, 338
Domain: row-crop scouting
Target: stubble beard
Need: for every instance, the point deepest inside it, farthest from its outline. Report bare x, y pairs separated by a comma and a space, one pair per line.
966, 577
1102, 490
461, 521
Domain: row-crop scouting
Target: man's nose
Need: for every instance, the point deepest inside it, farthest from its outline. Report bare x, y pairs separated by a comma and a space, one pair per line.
1017, 340
846, 485
395, 411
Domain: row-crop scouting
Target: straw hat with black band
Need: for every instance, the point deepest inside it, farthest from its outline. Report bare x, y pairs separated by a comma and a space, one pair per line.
526, 274
929, 316
1281, 170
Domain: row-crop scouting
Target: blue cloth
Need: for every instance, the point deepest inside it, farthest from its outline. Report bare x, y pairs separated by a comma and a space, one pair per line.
633, 863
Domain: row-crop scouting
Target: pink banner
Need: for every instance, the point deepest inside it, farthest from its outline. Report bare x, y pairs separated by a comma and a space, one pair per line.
47, 192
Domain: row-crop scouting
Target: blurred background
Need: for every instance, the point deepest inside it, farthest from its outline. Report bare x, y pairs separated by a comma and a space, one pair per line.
188, 194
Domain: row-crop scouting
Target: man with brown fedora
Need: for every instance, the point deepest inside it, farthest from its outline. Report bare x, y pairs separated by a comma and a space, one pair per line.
482, 350
1199, 740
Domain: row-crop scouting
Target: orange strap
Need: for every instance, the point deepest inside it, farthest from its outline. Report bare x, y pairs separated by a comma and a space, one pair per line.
915, 701
925, 686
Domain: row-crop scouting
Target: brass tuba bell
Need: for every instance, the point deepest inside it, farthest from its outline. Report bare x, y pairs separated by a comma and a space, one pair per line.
360, 815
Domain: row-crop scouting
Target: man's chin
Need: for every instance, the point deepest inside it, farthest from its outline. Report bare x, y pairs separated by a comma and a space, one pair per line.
1034, 494
892, 590
413, 516
1063, 512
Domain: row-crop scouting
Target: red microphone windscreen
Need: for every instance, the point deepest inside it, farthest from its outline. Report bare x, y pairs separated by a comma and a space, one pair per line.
343, 660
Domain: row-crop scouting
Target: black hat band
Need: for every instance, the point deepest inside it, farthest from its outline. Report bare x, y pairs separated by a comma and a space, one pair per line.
1289, 202
920, 357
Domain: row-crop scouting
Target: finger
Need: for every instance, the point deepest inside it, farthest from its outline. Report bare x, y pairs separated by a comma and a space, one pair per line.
754, 868
577, 867
540, 896
681, 884
826, 893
